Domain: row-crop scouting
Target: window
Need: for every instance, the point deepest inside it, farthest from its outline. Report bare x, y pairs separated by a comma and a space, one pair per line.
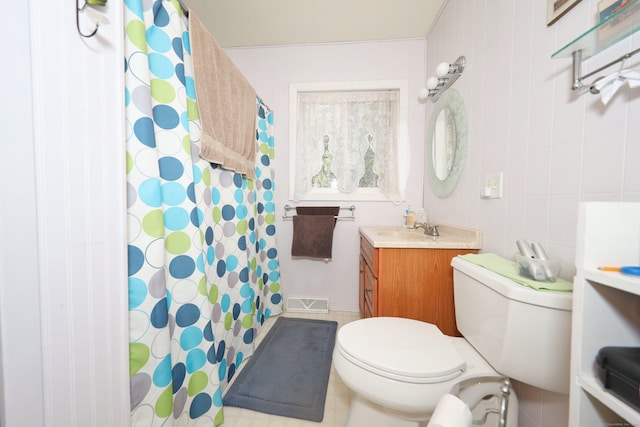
348, 140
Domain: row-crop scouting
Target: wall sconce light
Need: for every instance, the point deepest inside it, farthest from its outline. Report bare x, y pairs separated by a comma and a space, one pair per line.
446, 75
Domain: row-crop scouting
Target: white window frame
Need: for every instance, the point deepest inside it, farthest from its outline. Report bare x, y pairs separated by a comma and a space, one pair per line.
360, 194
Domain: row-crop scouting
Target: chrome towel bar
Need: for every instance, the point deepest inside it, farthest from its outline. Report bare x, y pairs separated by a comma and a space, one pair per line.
347, 217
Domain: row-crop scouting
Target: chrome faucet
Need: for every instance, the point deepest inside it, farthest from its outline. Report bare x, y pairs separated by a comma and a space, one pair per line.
430, 230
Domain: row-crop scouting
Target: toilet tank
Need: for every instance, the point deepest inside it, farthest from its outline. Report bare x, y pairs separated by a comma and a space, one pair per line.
523, 333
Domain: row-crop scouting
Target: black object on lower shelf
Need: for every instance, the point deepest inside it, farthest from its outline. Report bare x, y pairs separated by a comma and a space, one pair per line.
619, 371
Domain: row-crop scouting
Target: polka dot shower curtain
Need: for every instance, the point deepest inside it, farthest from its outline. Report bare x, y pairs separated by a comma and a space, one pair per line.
203, 264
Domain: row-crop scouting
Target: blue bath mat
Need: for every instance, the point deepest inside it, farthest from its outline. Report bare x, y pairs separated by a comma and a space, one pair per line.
289, 371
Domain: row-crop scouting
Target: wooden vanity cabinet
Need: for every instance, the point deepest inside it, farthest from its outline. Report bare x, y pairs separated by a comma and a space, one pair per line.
414, 283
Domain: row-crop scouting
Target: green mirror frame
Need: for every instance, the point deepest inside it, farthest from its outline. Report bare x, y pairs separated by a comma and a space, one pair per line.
452, 100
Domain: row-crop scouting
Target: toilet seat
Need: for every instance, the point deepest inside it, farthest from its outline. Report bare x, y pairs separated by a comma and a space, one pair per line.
386, 346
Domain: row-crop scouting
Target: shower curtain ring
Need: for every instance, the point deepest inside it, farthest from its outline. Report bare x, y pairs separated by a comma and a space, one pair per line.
81, 9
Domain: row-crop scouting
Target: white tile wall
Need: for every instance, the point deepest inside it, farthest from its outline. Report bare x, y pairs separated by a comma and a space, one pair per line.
631, 187
556, 147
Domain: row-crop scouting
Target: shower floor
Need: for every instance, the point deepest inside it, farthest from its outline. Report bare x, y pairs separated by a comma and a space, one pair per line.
338, 395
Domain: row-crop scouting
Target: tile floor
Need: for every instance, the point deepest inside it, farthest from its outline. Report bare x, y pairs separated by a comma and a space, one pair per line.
338, 395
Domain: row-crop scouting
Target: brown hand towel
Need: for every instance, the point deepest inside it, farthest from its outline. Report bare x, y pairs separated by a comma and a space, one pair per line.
313, 231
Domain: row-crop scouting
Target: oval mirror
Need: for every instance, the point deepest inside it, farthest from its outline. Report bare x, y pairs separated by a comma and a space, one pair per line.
446, 143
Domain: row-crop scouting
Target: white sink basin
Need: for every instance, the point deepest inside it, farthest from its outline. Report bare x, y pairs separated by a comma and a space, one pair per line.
396, 237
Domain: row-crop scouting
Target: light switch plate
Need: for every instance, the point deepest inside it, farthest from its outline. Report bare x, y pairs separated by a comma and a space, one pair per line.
492, 186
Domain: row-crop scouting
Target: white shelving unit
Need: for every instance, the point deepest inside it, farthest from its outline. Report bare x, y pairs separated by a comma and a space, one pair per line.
606, 308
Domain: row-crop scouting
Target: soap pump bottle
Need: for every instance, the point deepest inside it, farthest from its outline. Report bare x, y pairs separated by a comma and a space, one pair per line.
410, 218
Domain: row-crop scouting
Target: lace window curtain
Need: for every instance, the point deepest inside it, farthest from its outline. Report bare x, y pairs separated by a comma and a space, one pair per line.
347, 141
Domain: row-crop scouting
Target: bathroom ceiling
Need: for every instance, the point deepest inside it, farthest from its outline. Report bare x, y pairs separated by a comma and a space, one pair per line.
236, 23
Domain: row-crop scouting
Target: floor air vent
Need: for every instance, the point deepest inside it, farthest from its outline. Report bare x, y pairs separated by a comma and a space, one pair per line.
309, 305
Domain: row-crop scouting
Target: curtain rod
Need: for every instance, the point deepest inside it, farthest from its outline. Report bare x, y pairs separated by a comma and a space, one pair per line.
264, 103
184, 8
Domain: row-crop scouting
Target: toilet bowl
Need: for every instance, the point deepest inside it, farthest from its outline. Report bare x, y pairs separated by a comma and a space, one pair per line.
398, 369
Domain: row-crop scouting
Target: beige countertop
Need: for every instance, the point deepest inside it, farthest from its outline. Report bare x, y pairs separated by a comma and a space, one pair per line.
451, 237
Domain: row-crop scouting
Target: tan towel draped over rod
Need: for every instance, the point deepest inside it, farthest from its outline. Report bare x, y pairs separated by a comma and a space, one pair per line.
227, 104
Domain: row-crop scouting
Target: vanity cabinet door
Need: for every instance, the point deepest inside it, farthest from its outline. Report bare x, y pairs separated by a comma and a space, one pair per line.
418, 284
368, 287
413, 283
370, 293
361, 293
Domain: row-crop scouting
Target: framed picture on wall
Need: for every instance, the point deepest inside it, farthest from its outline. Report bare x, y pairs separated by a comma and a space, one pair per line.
557, 8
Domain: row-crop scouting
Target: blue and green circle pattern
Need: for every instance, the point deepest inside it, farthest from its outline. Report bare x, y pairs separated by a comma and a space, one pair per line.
203, 264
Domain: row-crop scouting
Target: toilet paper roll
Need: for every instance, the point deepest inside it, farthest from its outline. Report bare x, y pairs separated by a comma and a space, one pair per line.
451, 412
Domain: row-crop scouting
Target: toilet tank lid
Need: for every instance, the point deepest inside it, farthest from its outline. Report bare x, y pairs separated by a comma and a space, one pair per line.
404, 348
511, 289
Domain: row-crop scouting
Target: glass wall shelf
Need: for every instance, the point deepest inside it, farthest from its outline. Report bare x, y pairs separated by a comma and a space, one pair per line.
607, 33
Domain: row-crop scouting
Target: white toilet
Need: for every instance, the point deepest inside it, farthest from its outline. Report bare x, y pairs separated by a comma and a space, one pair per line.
398, 369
